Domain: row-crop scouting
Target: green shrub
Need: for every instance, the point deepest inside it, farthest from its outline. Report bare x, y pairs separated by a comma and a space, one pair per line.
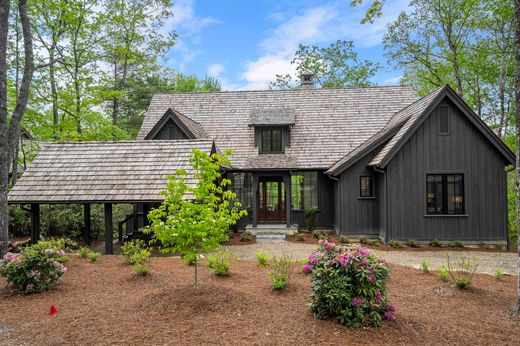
363, 240
299, 236
93, 256
349, 286
310, 218
456, 243
262, 257
443, 273
343, 239
499, 247
280, 272
34, 269
140, 268
135, 252
372, 242
412, 243
220, 262
396, 244
246, 236
498, 273
84, 251
435, 243
425, 266
462, 270
304, 261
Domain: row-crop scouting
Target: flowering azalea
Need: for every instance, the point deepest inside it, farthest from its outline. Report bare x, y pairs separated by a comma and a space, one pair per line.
372, 278
389, 316
356, 302
307, 268
364, 251
379, 297
29, 287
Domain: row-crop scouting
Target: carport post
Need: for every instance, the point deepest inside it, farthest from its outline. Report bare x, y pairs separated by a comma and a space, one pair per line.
109, 248
35, 223
86, 223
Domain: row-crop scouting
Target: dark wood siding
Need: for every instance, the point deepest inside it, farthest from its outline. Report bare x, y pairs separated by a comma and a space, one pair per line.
359, 216
170, 131
464, 150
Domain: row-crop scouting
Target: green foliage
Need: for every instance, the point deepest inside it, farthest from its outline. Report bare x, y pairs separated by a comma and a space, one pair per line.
349, 286
443, 273
300, 236
84, 251
343, 239
93, 256
199, 225
220, 261
372, 242
35, 269
456, 244
310, 218
435, 243
262, 257
412, 243
498, 273
335, 66
135, 252
140, 268
321, 234
462, 270
280, 271
396, 244
363, 240
425, 266
246, 236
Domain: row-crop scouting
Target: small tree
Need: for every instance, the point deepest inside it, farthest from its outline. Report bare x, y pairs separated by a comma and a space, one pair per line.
195, 219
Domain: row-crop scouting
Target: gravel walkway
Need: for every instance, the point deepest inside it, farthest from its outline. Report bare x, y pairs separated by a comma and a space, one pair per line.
488, 260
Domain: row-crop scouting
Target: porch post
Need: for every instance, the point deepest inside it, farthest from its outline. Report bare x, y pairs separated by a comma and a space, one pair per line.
287, 183
255, 199
86, 223
109, 248
35, 223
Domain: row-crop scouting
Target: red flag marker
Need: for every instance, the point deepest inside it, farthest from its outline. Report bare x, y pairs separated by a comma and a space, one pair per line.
53, 311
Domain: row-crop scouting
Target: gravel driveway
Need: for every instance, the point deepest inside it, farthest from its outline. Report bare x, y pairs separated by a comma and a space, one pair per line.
488, 260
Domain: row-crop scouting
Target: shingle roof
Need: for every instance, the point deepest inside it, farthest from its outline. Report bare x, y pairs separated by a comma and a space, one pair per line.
125, 171
328, 122
392, 128
192, 129
272, 116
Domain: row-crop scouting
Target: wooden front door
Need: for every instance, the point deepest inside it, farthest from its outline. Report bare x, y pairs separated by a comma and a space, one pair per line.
271, 199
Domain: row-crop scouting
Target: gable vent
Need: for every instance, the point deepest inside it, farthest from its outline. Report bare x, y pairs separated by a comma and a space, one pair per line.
444, 120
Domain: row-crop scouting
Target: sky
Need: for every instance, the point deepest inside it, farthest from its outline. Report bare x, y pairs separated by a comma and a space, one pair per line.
245, 43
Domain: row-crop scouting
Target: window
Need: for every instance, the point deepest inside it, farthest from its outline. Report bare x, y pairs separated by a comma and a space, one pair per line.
271, 140
445, 194
243, 187
304, 190
366, 187
444, 120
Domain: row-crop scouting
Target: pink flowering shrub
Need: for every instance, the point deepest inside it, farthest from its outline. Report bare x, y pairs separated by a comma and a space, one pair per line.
348, 285
34, 269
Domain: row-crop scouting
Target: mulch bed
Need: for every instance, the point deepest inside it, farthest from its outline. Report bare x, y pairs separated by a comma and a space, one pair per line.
105, 303
310, 239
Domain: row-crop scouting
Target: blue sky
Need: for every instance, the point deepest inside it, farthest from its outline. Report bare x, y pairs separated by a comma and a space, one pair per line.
245, 43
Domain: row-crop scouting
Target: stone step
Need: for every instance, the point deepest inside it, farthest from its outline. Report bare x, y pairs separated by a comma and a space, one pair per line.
268, 237
272, 228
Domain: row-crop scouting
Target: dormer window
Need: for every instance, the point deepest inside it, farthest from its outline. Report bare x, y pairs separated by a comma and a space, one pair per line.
271, 140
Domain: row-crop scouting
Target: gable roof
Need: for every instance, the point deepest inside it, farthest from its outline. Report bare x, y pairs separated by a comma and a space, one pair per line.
418, 112
391, 128
102, 172
190, 128
272, 116
327, 122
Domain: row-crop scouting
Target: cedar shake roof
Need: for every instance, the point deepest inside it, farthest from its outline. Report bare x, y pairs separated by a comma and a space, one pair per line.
97, 172
272, 116
192, 129
328, 123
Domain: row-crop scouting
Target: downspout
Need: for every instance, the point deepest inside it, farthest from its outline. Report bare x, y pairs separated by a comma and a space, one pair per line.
385, 201
340, 199
508, 243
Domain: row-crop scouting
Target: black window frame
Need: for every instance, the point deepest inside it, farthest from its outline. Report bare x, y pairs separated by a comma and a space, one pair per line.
371, 193
270, 132
444, 195
245, 191
303, 207
444, 112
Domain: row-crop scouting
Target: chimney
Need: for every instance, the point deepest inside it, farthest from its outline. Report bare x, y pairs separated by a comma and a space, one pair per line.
307, 80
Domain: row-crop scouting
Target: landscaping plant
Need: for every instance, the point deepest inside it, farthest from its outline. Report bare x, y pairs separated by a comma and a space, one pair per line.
343, 239
456, 243
136, 253
262, 257
396, 244
200, 223
246, 236
300, 236
35, 269
93, 256
310, 218
280, 272
220, 261
412, 243
462, 270
84, 251
349, 286
443, 273
425, 266
435, 243
499, 272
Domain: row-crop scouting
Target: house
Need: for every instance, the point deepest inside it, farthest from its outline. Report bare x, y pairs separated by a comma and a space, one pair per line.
374, 161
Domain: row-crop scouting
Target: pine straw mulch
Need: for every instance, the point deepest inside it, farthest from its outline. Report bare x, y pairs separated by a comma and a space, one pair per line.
106, 303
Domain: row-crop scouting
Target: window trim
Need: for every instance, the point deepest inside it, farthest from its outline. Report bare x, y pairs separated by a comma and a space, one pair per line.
444, 174
372, 187
271, 129
447, 133
302, 195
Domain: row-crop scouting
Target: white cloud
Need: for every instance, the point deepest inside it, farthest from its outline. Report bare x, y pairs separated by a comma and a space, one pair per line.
393, 80
215, 70
319, 25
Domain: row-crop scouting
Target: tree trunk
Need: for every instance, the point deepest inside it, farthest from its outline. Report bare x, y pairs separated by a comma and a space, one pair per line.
516, 308
54, 93
196, 270
4, 152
